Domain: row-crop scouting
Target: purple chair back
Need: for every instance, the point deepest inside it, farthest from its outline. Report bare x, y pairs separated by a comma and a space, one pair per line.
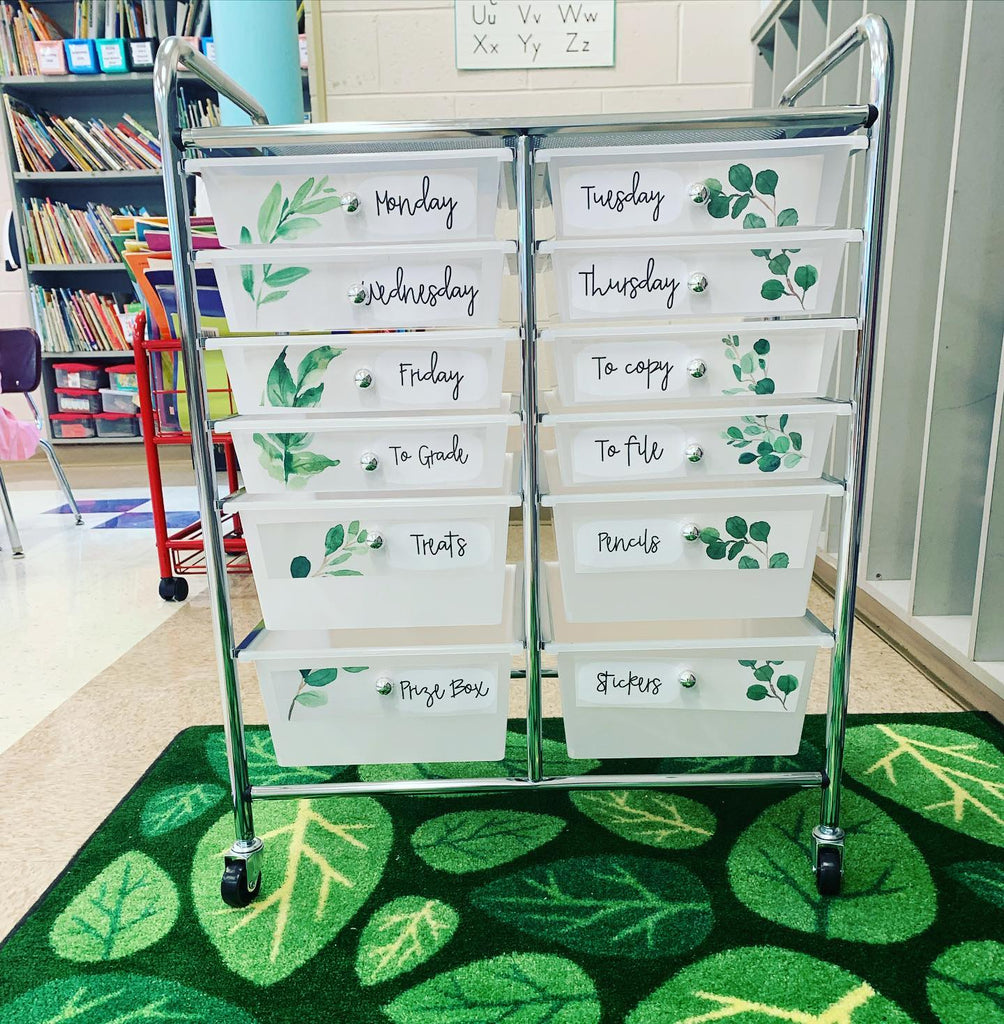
20, 361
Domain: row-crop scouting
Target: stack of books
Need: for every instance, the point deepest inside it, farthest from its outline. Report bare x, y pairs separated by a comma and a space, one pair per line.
203, 113
20, 26
77, 321
48, 142
56, 233
113, 19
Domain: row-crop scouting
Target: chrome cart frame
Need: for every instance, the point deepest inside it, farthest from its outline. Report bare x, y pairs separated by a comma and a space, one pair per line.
242, 875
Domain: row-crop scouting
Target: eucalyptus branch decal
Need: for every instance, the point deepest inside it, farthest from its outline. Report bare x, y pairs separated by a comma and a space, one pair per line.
284, 457
750, 368
805, 276
761, 188
340, 544
742, 537
310, 693
305, 391
282, 219
776, 446
769, 688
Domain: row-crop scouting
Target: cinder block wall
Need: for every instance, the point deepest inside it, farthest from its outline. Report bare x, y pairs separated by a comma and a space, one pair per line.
393, 59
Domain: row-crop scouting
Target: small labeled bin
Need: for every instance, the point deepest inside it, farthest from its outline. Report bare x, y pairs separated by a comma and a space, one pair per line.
51, 56
72, 425
77, 400
142, 53
112, 57
126, 402
117, 424
122, 377
82, 376
81, 57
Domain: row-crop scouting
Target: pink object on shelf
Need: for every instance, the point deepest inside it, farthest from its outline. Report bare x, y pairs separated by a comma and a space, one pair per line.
160, 241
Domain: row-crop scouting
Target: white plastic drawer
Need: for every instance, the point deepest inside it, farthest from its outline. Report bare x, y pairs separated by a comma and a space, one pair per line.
688, 690
317, 454
678, 189
656, 365
631, 557
408, 372
377, 563
751, 443
754, 274
369, 287
355, 197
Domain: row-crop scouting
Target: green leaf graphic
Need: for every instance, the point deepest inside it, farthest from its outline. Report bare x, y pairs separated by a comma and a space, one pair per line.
718, 206
966, 984
279, 388
650, 816
322, 860
171, 808
130, 905
608, 906
765, 984
313, 365
753, 220
766, 182
740, 177
119, 999
299, 567
262, 765
286, 276
806, 276
946, 776
984, 878
297, 227
401, 935
787, 218
760, 530
772, 290
268, 214
477, 840
517, 988
887, 895
334, 539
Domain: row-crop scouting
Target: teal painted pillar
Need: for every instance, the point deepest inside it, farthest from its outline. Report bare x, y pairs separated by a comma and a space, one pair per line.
257, 45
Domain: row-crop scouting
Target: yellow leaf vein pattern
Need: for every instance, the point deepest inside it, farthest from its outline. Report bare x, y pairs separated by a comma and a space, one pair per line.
840, 1012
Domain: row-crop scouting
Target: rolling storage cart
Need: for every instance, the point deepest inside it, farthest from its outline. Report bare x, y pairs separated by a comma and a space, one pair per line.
685, 301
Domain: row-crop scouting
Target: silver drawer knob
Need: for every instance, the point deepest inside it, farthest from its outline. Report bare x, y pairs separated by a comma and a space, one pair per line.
350, 202
694, 452
363, 379
699, 193
369, 461
697, 283
687, 680
697, 368
384, 686
374, 540
355, 293
691, 532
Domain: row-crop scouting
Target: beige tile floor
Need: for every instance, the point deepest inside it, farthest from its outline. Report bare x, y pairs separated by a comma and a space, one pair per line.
61, 779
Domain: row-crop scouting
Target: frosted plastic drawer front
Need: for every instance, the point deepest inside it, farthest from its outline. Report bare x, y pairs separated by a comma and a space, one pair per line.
321, 455
377, 563
383, 706
683, 189
631, 558
430, 370
372, 197
755, 274
285, 289
656, 365
785, 441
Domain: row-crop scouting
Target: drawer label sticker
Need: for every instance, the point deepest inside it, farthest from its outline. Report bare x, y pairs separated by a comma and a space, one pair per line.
439, 545
605, 544
446, 289
445, 692
640, 683
430, 376
642, 370
432, 458
627, 282
619, 196
618, 452
437, 202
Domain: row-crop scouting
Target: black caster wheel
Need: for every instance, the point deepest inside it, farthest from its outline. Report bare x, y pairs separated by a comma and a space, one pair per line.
173, 588
234, 887
829, 871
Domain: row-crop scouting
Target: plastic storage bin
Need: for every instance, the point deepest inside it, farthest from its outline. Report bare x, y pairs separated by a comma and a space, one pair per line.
766, 273
78, 400
677, 189
83, 376
122, 377
72, 425
387, 696
119, 401
365, 287
720, 553
444, 195
377, 563
659, 364
117, 424
406, 372
316, 454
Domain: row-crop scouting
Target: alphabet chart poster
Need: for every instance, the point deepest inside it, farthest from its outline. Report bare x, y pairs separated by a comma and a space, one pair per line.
534, 34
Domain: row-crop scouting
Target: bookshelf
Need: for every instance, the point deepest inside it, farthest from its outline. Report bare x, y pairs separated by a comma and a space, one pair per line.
106, 97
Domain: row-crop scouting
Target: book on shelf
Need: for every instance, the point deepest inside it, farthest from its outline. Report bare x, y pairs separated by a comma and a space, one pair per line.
21, 26
49, 142
113, 19
202, 113
70, 320
57, 233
